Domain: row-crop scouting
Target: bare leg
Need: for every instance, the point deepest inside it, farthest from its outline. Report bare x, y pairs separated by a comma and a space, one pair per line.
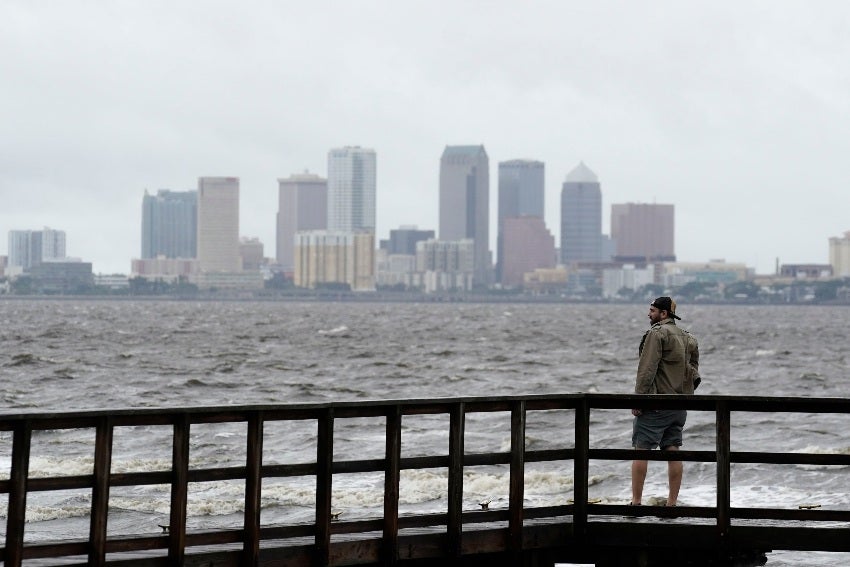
674, 477
638, 478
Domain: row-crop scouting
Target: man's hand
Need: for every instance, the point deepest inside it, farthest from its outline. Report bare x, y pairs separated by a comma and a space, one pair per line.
636, 412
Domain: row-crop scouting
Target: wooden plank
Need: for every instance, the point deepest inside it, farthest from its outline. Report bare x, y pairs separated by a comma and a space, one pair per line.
324, 487
392, 478
17, 506
454, 527
253, 489
724, 471
581, 468
179, 490
516, 491
100, 492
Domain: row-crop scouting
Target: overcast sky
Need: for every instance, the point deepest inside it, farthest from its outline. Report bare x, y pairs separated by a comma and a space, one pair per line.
736, 112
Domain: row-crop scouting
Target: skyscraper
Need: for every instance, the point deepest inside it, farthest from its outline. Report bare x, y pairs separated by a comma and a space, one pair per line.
218, 224
28, 248
643, 232
302, 206
351, 189
521, 194
581, 217
170, 224
465, 202
528, 246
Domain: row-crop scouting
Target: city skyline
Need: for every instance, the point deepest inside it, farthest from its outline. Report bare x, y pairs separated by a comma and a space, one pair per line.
737, 114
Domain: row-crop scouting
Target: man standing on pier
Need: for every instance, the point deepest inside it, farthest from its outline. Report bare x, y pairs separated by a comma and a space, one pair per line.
669, 364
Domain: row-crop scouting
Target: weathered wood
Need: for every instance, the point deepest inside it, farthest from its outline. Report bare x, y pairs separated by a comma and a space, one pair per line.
581, 467
17, 507
724, 471
253, 489
454, 527
516, 491
578, 532
392, 478
179, 490
324, 487
100, 492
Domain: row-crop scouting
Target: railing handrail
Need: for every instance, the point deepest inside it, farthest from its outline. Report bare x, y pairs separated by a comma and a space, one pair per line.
104, 422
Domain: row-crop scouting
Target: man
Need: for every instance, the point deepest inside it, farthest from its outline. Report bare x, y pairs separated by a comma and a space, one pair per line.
669, 364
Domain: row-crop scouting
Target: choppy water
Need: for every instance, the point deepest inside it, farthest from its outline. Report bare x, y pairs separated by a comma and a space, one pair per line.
60, 355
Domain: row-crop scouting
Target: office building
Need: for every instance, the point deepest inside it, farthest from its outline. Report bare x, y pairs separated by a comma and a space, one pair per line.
521, 194
527, 246
643, 232
465, 204
218, 224
170, 224
581, 217
302, 206
325, 258
351, 189
28, 248
251, 252
403, 240
839, 255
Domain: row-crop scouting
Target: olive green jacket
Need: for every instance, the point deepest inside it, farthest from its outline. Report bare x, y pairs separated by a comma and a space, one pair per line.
669, 360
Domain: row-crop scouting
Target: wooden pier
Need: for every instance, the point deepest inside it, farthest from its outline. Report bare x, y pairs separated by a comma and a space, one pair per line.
578, 531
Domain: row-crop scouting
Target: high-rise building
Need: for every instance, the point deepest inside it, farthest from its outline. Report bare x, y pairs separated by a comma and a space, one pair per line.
403, 240
218, 224
170, 224
521, 194
328, 257
351, 189
581, 217
839, 255
302, 206
528, 245
251, 252
643, 232
465, 203
28, 248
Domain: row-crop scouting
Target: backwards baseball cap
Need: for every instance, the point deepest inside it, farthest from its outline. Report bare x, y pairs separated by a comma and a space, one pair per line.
666, 304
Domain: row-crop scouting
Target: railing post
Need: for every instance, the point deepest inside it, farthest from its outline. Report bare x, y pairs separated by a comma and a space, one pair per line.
253, 489
724, 471
517, 482
179, 490
324, 486
100, 492
455, 485
17, 507
581, 464
392, 476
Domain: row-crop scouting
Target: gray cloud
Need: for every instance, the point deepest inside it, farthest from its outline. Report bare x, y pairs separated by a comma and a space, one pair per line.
736, 112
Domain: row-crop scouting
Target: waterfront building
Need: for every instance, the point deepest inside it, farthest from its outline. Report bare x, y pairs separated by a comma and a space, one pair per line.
403, 240
218, 224
62, 276
676, 274
165, 269
839, 255
628, 277
396, 270
325, 257
521, 194
28, 248
170, 224
351, 189
465, 205
446, 265
527, 246
581, 217
806, 271
643, 232
302, 206
251, 252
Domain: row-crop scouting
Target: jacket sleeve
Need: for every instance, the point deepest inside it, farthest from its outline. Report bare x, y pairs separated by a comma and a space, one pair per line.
648, 363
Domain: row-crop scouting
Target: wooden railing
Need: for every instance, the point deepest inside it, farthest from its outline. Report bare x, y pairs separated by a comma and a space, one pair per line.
182, 546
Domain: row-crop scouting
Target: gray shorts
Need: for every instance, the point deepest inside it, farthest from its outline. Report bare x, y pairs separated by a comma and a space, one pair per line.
658, 428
